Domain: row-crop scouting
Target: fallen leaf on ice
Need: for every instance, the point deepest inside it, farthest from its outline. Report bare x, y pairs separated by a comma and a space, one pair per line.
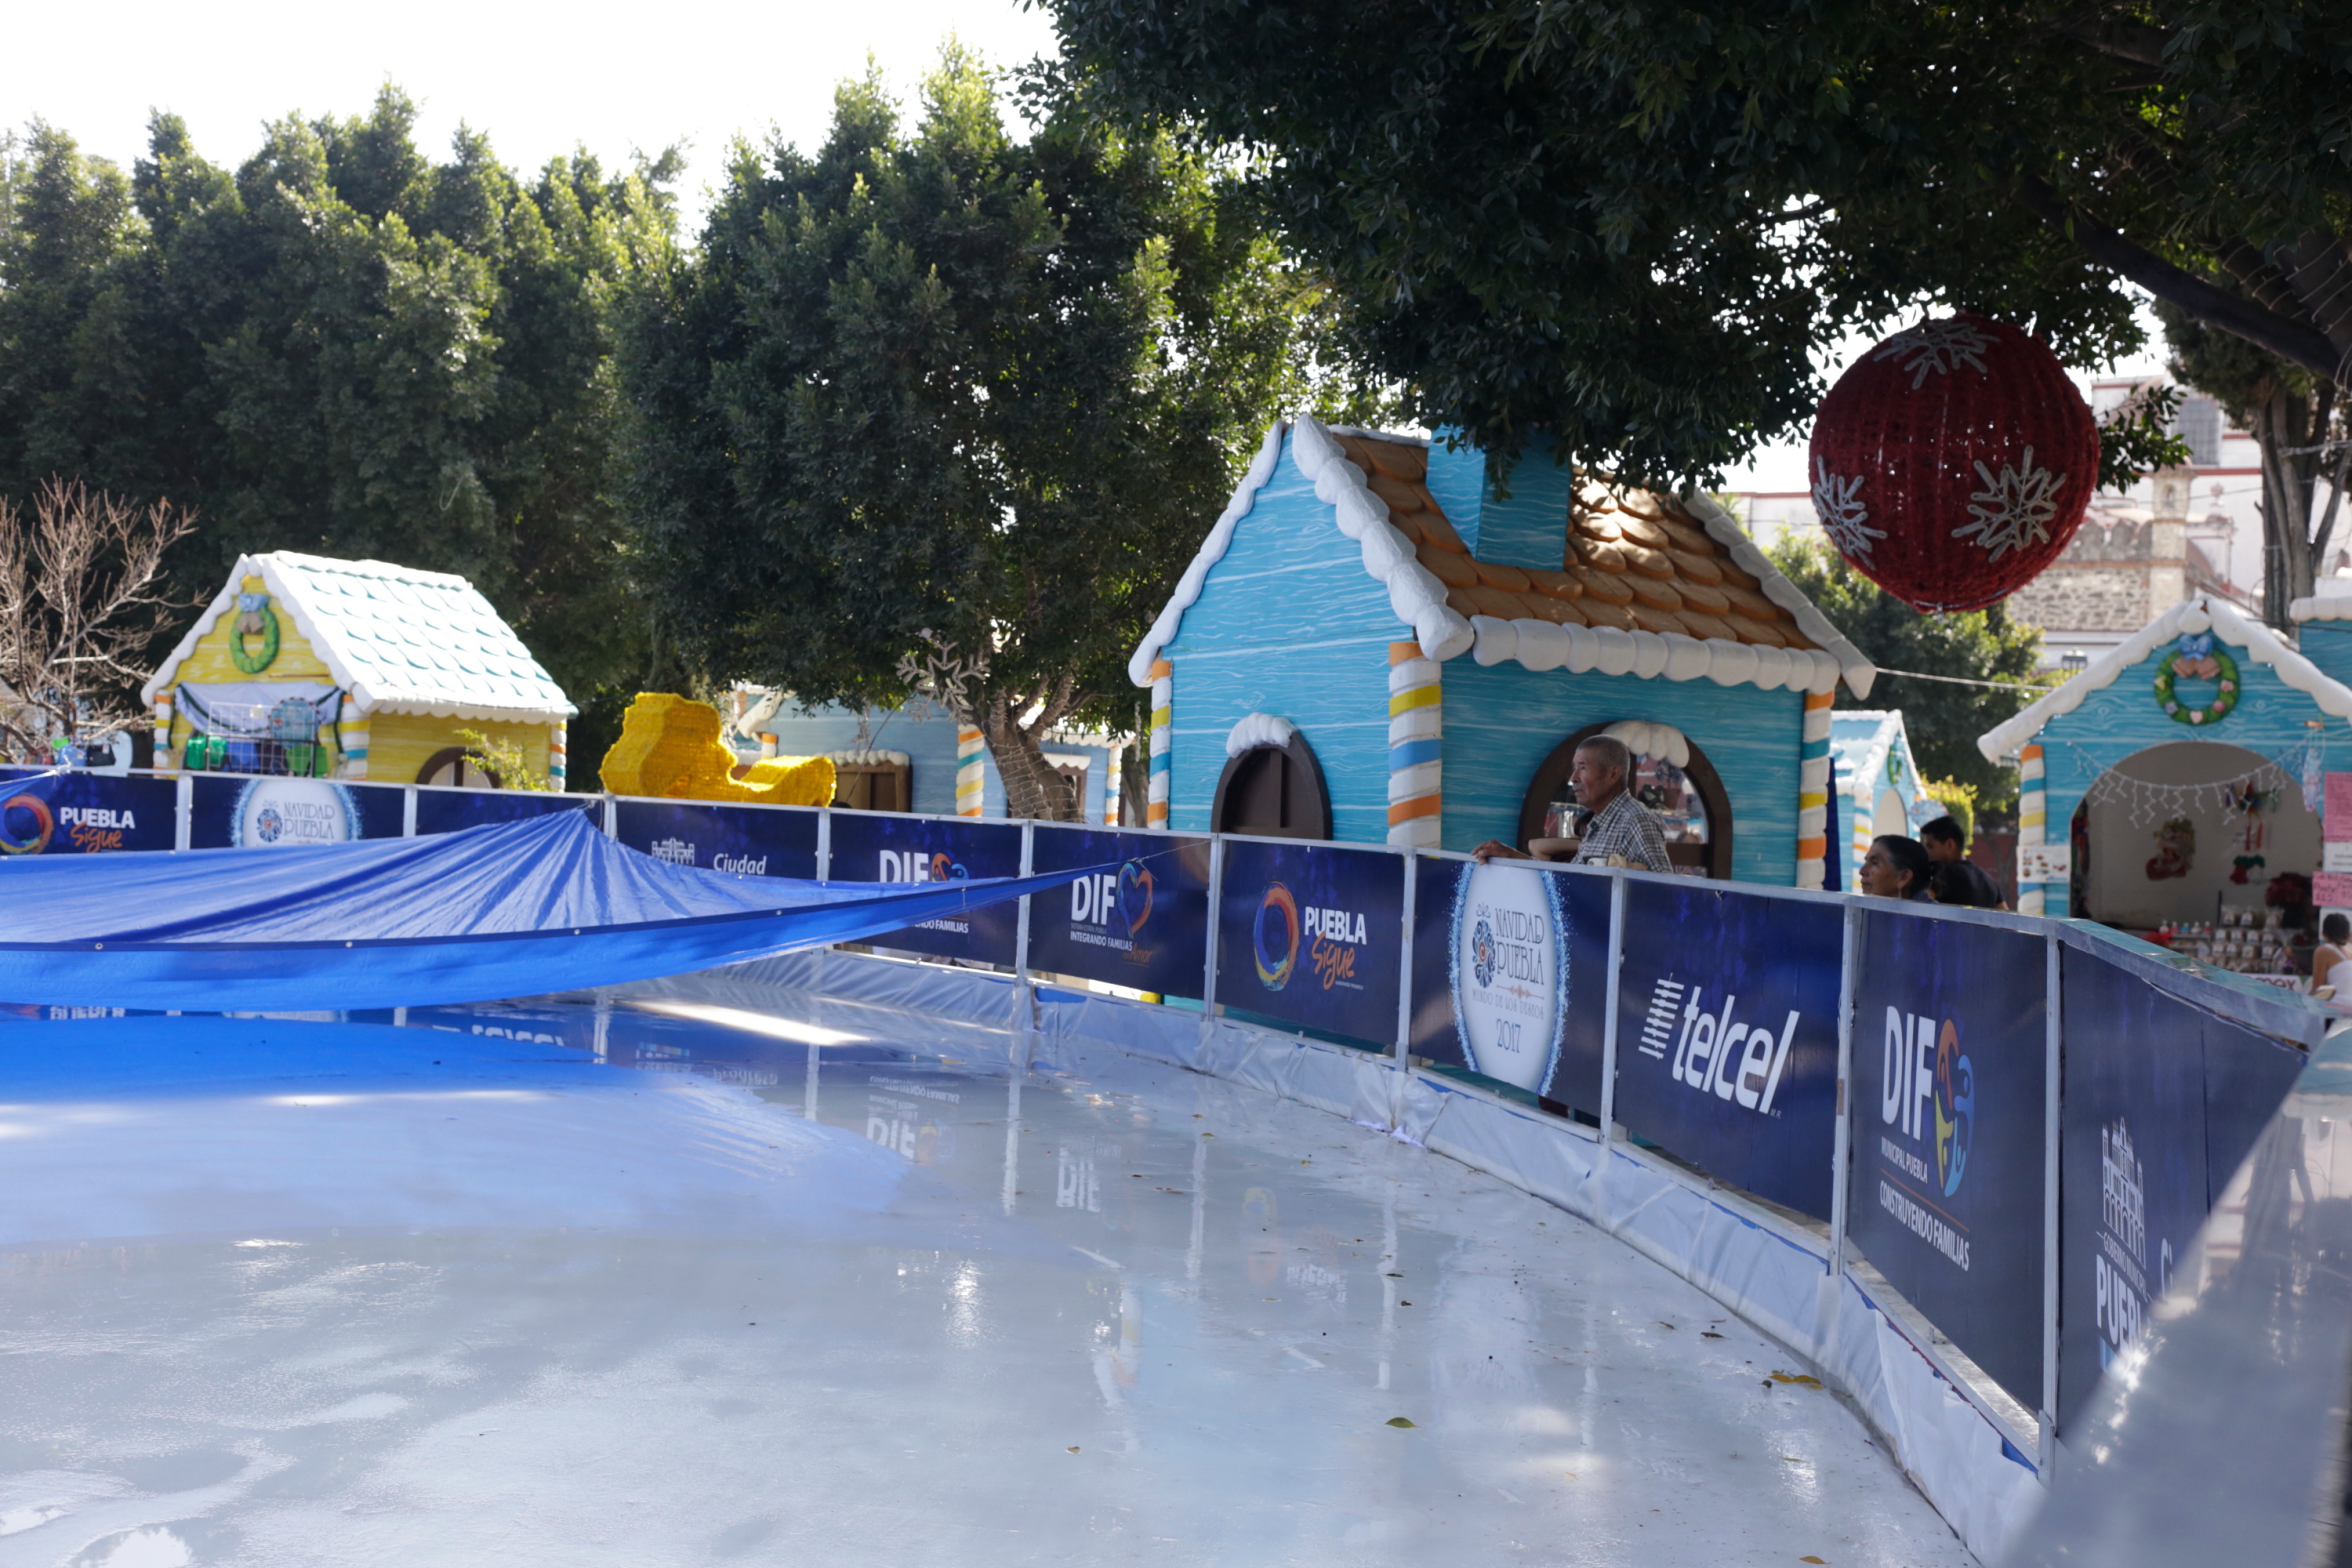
1398, 1421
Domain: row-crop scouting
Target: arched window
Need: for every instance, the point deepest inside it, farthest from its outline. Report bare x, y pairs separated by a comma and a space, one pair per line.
451, 765
1689, 801
1273, 792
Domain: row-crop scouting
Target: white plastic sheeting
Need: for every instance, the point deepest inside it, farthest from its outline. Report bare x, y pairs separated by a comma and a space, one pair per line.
1772, 1273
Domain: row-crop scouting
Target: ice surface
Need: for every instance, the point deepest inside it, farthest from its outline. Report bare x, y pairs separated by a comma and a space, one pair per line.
509, 1287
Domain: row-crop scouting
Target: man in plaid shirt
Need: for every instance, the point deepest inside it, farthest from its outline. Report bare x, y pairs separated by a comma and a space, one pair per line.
1619, 830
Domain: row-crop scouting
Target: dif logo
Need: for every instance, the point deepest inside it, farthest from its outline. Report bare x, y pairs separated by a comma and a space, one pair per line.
1334, 937
915, 866
1927, 1082
1118, 902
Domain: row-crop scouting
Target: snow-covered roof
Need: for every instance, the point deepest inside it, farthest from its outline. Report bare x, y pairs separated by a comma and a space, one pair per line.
1702, 600
2190, 616
399, 641
1861, 737
2332, 601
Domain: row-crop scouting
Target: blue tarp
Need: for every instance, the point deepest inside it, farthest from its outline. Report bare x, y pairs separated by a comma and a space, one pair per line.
510, 909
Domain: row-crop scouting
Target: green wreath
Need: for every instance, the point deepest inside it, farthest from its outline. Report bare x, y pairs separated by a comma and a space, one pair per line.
2180, 712
251, 664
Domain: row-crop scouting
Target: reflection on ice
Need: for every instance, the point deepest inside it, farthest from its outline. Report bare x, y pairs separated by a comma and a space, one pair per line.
557, 1284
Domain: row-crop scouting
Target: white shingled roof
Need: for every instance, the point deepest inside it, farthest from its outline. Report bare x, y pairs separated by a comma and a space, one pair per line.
399, 641
2192, 616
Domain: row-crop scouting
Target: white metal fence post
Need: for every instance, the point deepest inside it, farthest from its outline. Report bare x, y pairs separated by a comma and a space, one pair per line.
824, 845
1842, 1143
408, 811
2054, 1046
1609, 1009
1209, 965
183, 812
1403, 1052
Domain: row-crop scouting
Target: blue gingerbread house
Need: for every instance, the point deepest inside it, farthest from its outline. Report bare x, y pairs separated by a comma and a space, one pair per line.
1378, 643
2173, 777
1879, 779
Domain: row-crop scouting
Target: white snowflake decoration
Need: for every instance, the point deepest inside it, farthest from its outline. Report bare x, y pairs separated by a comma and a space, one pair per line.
1938, 348
2013, 509
1839, 503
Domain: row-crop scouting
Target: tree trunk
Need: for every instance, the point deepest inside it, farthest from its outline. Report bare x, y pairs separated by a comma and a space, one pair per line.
2288, 563
1034, 787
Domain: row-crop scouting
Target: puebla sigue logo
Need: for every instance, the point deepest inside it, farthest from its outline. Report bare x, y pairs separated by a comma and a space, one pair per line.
16, 841
1334, 938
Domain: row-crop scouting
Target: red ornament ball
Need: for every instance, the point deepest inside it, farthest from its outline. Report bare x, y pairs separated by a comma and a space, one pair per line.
1953, 462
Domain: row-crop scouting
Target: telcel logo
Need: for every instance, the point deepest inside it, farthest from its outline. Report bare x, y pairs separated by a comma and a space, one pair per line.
1734, 1062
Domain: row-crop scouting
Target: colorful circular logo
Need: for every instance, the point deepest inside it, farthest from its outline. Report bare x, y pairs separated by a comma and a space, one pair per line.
43, 825
1956, 1107
1277, 936
1482, 955
945, 870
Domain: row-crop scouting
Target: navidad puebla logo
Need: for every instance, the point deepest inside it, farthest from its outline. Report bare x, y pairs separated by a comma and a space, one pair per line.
1111, 909
1510, 971
1927, 1103
17, 842
282, 812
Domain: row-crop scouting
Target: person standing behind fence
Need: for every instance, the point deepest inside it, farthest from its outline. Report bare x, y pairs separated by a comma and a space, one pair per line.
1896, 868
1954, 877
1619, 830
2331, 966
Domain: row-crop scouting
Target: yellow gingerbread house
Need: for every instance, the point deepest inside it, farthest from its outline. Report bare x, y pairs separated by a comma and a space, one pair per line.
356, 670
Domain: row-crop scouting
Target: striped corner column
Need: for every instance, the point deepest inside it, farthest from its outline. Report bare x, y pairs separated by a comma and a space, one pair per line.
2032, 821
163, 727
1416, 725
972, 770
1163, 716
1864, 822
1813, 793
558, 754
352, 725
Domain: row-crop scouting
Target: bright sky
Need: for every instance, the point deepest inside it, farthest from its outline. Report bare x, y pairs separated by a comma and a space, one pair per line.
539, 80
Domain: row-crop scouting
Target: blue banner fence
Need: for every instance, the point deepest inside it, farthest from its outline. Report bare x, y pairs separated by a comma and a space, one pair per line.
2014, 1124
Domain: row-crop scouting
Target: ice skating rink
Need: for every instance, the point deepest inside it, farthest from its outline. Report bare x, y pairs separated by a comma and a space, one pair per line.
509, 1286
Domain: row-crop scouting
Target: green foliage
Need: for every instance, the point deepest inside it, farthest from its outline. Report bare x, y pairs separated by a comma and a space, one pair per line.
341, 347
1958, 801
1641, 223
2137, 439
932, 393
504, 760
1943, 719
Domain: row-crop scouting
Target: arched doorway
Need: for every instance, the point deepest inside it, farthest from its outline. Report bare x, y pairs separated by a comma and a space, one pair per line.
452, 765
1689, 800
1889, 819
1273, 792
2185, 830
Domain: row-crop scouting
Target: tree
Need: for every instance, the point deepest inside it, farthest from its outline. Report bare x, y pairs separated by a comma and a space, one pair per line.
82, 593
938, 410
1642, 223
2296, 419
342, 347
1943, 717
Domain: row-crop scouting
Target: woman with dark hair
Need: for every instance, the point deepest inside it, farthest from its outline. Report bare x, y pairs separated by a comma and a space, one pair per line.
2331, 966
1896, 867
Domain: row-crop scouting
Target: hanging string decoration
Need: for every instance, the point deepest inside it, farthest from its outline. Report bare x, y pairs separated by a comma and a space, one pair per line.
1953, 462
2147, 803
2198, 657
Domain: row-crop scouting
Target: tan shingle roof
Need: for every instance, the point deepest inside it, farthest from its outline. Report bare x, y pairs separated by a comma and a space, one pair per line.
1629, 558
